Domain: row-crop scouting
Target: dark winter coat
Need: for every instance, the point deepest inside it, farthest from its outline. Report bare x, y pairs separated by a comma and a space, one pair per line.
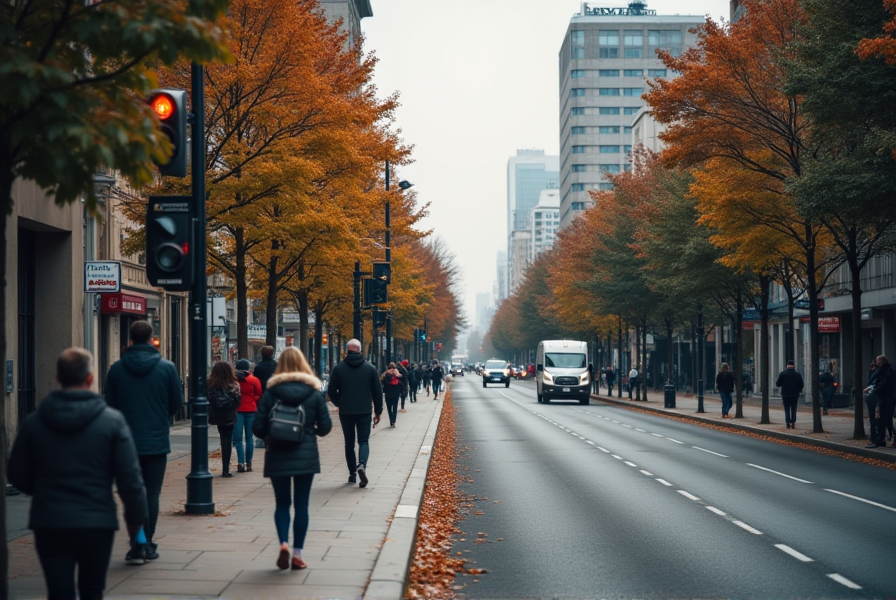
427, 374
147, 390
405, 380
611, 377
790, 382
292, 389
391, 390
264, 370
725, 382
222, 404
355, 386
437, 373
884, 381
67, 454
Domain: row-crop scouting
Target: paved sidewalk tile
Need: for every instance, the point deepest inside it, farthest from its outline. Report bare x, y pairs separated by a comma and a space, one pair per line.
233, 553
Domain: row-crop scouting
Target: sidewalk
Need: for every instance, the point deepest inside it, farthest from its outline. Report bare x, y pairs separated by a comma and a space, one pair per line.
359, 541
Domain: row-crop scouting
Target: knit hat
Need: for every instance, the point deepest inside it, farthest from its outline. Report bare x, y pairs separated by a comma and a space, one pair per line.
404, 363
243, 365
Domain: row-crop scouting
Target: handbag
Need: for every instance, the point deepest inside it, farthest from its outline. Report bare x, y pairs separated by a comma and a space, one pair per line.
287, 423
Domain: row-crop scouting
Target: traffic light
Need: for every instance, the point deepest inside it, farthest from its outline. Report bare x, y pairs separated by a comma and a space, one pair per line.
422, 333
169, 242
379, 319
383, 272
170, 106
439, 347
375, 292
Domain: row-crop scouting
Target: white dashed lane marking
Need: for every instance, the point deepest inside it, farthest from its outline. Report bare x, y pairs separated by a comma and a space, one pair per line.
746, 527
797, 555
844, 581
871, 502
778, 473
689, 496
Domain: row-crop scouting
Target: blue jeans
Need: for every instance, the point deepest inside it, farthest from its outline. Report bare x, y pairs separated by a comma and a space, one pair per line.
244, 424
726, 402
283, 496
361, 423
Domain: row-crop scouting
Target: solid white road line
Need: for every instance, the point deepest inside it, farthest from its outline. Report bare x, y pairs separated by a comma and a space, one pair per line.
648, 473
872, 503
844, 581
793, 553
746, 527
709, 451
721, 513
664, 482
689, 496
778, 473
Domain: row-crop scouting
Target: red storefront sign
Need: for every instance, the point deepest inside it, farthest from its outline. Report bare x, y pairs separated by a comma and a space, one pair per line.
825, 324
123, 303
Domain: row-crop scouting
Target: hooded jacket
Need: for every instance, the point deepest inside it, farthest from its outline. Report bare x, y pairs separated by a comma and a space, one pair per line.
250, 391
790, 382
67, 454
292, 389
147, 390
264, 370
354, 386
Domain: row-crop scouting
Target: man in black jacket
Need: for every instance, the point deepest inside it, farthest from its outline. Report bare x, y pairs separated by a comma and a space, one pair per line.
879, 400
354, 387
791, 384
66, 455
148, 391
264, 369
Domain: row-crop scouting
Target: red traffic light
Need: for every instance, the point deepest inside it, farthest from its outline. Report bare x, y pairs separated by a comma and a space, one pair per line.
438, 346
163, 106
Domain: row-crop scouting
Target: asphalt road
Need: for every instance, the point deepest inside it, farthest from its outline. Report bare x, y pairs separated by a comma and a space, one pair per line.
598, 501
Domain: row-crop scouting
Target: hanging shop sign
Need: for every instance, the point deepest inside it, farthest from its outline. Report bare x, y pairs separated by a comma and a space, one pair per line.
102, 276
123, 303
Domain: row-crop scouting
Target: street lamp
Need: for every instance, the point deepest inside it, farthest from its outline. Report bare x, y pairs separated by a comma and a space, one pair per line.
402, 185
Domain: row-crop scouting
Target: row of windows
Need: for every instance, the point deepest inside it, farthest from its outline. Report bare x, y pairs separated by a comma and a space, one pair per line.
603, 129
614, 168
582, 92
633, 42
582, 187
609, 149
581, 111
579, 73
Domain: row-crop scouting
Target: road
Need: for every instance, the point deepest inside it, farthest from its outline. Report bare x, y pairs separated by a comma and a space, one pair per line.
599, 501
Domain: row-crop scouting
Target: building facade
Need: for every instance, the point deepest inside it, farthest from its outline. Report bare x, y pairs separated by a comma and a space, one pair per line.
606, 59
351, 12
544, 220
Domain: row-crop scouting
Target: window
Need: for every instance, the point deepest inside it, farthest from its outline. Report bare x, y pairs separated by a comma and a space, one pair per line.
609, 129
628, 167
608, 73
577, 206
605, 187
630, 110
577, 53
578, 73
577, 187
578, 149
576, 92
579, 111
577, 44
632, 91
634, 44
666, 39
579, 168
608, 168
578, 130
627, 130
609, 110
609, 91
634, 72
634, 53
609, 149
627, 149
656, 72
609, 44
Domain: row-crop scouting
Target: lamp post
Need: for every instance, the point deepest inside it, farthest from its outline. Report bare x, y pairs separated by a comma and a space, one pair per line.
700, 333
402, 185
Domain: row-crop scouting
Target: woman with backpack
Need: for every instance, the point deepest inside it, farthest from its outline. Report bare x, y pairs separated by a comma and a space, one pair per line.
392, 385
223, 400
291, 466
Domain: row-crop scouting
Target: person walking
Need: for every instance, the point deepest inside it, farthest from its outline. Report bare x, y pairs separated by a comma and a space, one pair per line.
826, 381
427, 378
291, 467
250, 392
148, 391
66, 455
355, 387
725, 385
413, 382
405, 382
224, 397
611, 379
878, 399
266, 367
632, 381
791, 384
391, 382
437, 375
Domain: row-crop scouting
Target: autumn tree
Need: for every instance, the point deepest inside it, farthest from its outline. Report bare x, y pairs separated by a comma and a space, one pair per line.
74, 76
882, 44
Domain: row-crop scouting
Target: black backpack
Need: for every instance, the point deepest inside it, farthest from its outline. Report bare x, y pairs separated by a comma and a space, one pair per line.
287, 423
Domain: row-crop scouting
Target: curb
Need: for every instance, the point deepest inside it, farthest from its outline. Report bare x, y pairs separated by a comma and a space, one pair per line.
390, 572
827, 445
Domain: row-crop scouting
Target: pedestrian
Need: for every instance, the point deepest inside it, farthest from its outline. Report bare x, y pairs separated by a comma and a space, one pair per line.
437, 376
879, 400
266, 367
826, 381
413, 382
725, 385
66, 455
591, 377
427, 378
405, 382
250, 392
291, 467
224, 399
148, 391
791, 384
611, 379
748, 383
355, 387
391, 382
632, 381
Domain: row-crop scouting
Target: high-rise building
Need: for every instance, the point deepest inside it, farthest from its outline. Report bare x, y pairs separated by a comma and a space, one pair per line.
483, 311
502, 283
543, 223
351, 12
607, 56
520, 242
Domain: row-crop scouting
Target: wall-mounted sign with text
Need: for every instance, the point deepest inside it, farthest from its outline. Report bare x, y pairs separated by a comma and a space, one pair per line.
102, 276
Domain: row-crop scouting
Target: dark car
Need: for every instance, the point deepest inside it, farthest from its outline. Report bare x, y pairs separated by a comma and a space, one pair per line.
496, 371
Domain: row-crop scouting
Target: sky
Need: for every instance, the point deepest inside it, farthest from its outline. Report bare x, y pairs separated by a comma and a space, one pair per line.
477, 80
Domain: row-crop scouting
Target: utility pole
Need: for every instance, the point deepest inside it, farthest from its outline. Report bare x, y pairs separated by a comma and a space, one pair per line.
700, 337
388, 260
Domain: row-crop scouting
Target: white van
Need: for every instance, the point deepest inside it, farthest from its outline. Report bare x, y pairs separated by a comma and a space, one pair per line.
561, 371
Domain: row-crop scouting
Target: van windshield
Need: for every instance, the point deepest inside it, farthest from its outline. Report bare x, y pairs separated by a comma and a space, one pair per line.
564, 361
495, 364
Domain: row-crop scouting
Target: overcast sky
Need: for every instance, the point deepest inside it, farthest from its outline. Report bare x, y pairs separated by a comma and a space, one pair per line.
477, 79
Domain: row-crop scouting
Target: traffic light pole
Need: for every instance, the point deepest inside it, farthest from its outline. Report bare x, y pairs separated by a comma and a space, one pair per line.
388, 260
199, 481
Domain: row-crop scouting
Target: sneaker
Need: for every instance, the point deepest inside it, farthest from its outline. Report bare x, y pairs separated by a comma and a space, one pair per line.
151, 551
226, 474
362, 475
248, 466
240, 468
352, 479
136, 555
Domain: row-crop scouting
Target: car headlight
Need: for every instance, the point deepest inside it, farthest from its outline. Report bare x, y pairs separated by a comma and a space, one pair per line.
548, 378
583, 379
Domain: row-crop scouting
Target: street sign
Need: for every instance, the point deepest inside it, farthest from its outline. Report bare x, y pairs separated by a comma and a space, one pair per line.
102, 276
804, 304
750, 314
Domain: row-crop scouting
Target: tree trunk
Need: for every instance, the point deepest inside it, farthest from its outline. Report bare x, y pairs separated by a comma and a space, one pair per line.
738, 356
642, 380
318, 339
242, 294
858, 366
813, 336
302, 306
619, 349
636, 361
670, 359
764, 347
6, 181
270, 334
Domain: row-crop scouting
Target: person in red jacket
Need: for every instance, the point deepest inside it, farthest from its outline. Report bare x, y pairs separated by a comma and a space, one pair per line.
250, 392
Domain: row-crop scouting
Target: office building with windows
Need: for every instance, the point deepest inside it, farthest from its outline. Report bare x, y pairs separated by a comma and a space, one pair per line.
544, 220
607, 57
351, 12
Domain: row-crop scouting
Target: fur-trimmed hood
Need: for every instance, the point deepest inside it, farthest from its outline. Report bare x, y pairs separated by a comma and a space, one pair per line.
309, 380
